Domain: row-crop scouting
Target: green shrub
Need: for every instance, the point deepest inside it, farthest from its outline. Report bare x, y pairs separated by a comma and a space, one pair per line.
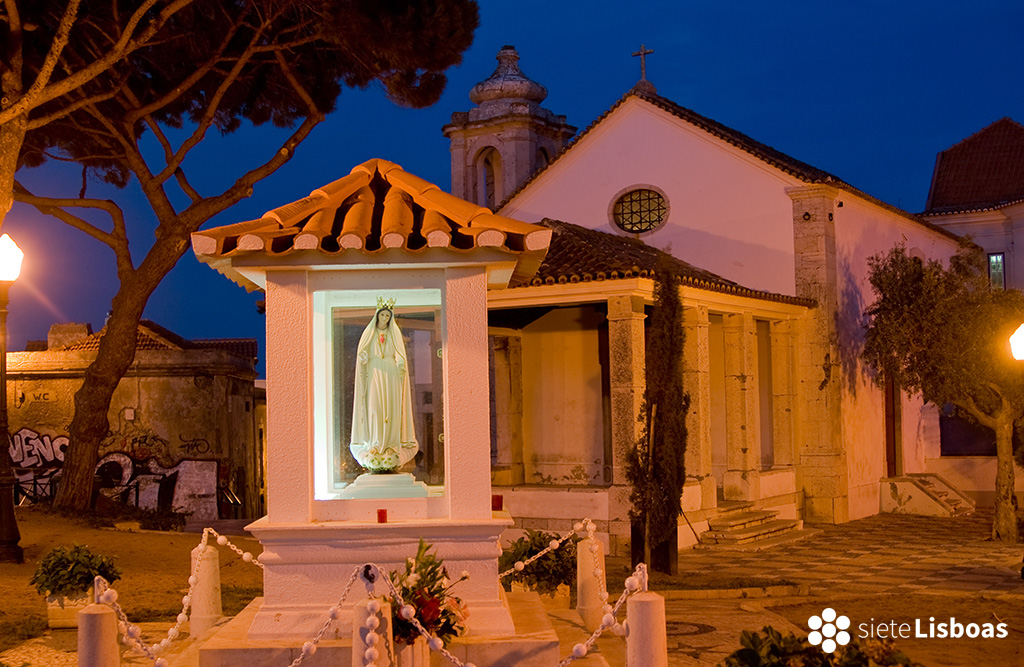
770, 648
546, 573
69, 570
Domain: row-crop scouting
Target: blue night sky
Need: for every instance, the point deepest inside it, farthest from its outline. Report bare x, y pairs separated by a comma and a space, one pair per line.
869, 91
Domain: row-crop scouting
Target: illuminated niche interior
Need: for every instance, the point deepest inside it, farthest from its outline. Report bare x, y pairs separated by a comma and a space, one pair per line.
339, 320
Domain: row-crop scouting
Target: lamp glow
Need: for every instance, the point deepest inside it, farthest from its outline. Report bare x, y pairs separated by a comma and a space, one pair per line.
10, 259
1017, 343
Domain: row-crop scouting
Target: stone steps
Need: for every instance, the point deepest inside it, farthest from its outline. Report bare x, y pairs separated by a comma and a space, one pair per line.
924, 493
779, 539
761, 530
736, 520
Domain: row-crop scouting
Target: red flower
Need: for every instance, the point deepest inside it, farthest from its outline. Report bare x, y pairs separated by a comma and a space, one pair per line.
428, 608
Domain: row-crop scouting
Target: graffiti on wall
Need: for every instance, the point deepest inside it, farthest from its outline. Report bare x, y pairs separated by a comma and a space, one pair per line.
30, 449
135, 475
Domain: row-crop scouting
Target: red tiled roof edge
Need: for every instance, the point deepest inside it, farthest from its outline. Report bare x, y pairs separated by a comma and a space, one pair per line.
982, 172
568, 261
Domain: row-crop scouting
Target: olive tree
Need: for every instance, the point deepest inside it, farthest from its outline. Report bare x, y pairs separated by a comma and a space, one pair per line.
944, 331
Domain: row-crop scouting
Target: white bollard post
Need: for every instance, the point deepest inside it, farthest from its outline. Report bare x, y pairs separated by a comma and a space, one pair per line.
646, 640
372, 639
590, 557
206, 607
97, 637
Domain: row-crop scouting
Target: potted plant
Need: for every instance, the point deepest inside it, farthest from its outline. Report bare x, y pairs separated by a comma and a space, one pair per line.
65, 576
552, 575
424, 585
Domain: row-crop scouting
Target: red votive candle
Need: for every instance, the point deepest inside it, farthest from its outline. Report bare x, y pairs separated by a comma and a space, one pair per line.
382, 516
497, 503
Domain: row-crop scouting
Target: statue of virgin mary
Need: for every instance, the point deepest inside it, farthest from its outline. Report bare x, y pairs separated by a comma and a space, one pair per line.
383, 437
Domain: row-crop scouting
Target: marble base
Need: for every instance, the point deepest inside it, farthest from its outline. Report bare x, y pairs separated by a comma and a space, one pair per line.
308, 566
385, 485
532, 642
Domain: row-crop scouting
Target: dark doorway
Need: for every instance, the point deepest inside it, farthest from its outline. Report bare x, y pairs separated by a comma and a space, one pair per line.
893, 460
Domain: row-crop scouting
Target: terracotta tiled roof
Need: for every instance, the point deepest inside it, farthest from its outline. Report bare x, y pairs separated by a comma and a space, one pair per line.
984, 171
152, 336
776, 158
246, 348
579, 254
376, 208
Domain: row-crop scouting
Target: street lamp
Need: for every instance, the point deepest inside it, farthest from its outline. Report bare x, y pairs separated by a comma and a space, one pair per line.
1017, 343
10, 551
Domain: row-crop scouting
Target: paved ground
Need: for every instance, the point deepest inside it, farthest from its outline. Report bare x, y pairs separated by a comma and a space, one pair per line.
925, 564
913, 558
883, 553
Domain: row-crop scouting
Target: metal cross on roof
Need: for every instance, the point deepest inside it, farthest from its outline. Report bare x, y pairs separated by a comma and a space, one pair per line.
643, 53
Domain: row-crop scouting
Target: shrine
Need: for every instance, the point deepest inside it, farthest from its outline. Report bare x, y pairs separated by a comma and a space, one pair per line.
377, 403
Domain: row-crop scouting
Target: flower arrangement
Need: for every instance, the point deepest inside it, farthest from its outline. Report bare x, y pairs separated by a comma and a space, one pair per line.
424, 585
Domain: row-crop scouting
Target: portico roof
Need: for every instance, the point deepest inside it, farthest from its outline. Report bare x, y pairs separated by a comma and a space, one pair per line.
377, 208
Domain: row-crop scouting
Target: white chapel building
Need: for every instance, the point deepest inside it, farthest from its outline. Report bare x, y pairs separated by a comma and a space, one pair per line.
784, 417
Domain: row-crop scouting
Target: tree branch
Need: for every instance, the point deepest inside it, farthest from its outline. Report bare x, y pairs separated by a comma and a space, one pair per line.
60, 40
187, 83
36, 123
211, 111
299, 89
201, 211
116, 241
179, 175
983, 417
40, 94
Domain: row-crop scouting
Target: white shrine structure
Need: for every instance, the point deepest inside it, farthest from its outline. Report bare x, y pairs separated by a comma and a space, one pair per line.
324, 262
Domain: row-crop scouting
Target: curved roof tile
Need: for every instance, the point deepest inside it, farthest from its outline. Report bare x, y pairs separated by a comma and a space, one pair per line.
377, 207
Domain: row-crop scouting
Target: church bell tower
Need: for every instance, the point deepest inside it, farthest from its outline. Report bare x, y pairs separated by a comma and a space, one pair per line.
506, 137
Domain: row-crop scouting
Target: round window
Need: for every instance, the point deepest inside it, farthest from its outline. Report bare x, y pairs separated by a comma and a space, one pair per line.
639, 211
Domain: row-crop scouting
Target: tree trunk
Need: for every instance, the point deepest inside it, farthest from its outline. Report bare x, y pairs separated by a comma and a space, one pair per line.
12, 135
1004, 527
90, 425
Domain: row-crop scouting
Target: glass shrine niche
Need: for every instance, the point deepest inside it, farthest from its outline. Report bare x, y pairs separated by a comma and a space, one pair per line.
378, 394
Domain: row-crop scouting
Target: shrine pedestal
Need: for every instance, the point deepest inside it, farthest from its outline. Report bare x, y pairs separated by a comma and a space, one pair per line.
308, 566
533, 644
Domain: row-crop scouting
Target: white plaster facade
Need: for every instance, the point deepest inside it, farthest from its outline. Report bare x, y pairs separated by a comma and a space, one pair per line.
783, 412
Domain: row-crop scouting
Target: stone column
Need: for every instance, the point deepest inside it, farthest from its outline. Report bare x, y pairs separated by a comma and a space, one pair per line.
697, 381
782, 334
742, 409
821, 454
508, 408
626, 367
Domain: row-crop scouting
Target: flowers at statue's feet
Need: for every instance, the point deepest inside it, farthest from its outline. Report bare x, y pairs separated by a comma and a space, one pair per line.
424, 586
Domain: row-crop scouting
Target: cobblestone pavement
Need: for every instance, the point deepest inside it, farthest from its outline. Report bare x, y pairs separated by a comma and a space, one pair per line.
883, 554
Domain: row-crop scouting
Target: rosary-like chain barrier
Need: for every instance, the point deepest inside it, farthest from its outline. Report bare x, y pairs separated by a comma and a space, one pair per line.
107, 595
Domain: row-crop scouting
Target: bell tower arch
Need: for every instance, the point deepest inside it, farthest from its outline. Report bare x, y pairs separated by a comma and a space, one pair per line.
506, 137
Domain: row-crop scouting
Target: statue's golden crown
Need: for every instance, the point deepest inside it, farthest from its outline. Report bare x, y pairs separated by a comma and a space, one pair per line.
389, 304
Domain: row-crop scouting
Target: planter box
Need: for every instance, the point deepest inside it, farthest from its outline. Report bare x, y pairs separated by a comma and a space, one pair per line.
62, 612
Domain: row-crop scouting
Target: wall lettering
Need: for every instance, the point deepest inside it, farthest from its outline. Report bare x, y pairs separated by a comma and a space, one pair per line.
30, 449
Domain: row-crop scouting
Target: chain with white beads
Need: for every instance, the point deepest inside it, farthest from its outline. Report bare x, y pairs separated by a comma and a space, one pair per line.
333, 614
520, 565
633, 584
132, 633
224, 541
